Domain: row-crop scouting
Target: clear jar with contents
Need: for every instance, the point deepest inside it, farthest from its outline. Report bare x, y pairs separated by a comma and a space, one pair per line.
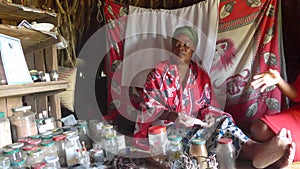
49, 148
225, 154
54, 160
23, 123
107, 131
82, 127
198, 150
28, 148
110, 147
73, 144
5, 132
4, 163
158, 139
60, 142
19, 164
97, 154
12, 154
34, 156
174, 147
95, 130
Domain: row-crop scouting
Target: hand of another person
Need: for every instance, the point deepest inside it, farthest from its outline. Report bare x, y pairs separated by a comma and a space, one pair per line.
188, 121
266, 79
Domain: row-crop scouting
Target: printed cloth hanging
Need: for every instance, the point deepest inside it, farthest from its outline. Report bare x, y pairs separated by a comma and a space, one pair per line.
247, 44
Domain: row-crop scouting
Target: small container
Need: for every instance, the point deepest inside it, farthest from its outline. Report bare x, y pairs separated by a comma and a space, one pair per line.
4, 163
13, 154
54, 160
95, 130
73, 144
54, 75
174, 147
23, 123
225, 154
34, 156
97, 154
19, 164
198, 150
60, 142
158, 139
28, 148
82, 127
49, 148
110, 146
5, 132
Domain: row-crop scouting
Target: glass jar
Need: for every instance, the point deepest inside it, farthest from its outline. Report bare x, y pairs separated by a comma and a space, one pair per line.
60, 142
4, 163
49, 148
107, 130
198, 150
95, 130
34, 156
110, 147
13, 154
174, 147
225, 154
96, 153
73, 144
19, 164
82, 127
5, 132
54, 160
158, 139
28, 148
23, 123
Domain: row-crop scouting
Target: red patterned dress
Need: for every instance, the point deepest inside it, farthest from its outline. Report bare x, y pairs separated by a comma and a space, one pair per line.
289, 119
163, 91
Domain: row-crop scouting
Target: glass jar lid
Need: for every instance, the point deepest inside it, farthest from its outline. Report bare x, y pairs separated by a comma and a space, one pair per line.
35, 141
47, 143
198, 141
18, 163
157, 129
59, 137
30, 147
45, 137
16, 145
10, 151
35, 136
35, 152
3, 159
174, 138
51, 159
225, 141
2, 115
107, 126
38, 165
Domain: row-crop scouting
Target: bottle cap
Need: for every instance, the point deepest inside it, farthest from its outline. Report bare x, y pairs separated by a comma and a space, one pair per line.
225, 141
2, 115
107, 126
18, 163
175, 138
157, 129
59, 137
51, 159
30, 147
16, 145
198, 141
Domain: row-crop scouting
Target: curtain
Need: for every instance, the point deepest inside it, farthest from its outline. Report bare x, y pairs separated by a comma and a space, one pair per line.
247, 44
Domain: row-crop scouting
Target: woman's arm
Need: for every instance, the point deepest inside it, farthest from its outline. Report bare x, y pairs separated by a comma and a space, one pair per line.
272, 77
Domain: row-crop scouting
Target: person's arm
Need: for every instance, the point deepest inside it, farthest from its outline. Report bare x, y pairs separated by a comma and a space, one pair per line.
272, 77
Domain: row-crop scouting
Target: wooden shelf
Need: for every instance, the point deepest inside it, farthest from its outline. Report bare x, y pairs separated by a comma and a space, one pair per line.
31, 40
37, 87
17, 13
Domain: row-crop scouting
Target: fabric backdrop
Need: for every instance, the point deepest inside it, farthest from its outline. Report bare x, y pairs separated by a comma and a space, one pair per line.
247, 43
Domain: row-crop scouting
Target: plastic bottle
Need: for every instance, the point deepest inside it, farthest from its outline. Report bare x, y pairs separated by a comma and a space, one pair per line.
5, 133
225, 154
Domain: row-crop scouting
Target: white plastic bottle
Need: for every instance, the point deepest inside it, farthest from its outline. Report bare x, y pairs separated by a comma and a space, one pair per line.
225, 154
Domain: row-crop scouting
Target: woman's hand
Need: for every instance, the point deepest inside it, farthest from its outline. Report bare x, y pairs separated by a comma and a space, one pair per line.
264, 80
184, 120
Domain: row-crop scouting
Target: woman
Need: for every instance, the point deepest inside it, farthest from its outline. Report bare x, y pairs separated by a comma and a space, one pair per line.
269, 125
179, 91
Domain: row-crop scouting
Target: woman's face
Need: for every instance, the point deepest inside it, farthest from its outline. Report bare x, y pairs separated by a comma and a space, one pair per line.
183, 47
